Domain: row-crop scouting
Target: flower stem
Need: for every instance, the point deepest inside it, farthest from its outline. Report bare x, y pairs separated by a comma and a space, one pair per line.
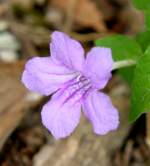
124, 63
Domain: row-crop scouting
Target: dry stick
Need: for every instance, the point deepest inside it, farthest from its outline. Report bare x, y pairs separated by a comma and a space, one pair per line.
88, 37
70, 15
148, 129
45, 33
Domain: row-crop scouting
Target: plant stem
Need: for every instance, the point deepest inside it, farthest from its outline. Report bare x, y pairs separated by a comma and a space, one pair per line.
124, 63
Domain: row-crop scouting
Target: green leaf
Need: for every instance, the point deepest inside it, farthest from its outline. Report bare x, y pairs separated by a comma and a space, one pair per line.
123, 48
127, 74
143, 39
140, 101
141, 4
147, 19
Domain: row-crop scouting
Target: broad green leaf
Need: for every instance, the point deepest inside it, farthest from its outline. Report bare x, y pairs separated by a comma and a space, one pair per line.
143, 39
141, 4
140, 101
127, 74
147, 19
123, 48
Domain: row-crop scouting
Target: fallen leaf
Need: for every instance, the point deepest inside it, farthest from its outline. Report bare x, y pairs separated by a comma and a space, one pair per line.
86, 14
14, 99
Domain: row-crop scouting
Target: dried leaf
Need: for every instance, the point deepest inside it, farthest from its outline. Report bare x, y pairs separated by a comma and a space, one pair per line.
14, 99
86, 13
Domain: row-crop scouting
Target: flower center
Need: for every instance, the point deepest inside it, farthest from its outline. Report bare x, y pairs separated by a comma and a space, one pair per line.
77, 89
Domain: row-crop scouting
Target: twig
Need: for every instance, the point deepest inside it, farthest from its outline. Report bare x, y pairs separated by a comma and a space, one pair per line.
88, 37
128, 152
41, 36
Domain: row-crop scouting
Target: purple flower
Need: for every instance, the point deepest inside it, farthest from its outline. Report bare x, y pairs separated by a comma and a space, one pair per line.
74, 82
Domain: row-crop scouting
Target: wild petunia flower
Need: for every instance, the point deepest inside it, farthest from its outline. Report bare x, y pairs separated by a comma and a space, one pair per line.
74, 82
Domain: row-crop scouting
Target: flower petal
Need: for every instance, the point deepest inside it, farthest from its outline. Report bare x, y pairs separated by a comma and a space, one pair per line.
98, 66
59, 118
42, 75
100, 111
68, 51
